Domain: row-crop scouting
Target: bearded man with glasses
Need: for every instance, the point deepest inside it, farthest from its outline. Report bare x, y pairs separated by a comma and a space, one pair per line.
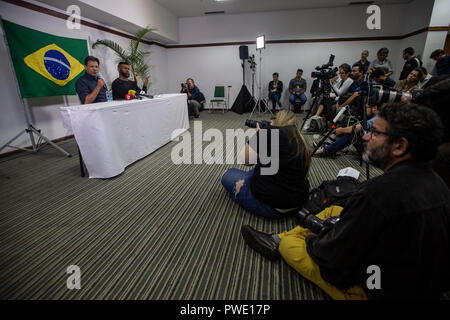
397, 223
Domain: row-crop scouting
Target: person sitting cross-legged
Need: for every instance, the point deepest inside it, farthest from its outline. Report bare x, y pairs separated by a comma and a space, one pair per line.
278, 184
395, 227
350, 135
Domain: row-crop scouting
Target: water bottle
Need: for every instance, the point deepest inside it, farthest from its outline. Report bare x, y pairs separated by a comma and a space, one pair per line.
109, 95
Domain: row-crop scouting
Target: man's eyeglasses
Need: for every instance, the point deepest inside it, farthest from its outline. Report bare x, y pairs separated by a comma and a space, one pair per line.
374, 133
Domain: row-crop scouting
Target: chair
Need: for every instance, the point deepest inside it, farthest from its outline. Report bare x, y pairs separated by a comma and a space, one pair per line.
219, 98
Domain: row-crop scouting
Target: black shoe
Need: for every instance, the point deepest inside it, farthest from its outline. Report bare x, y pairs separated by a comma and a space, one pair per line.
263, 243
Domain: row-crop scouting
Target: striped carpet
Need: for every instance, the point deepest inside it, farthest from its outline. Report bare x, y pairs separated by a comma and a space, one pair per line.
157, 231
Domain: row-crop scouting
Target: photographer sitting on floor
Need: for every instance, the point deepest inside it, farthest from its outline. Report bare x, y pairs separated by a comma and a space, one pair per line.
278, 194
397, 222
350, 135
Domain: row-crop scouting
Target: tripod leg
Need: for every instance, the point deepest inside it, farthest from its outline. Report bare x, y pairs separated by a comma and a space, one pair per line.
36, 132
10, 141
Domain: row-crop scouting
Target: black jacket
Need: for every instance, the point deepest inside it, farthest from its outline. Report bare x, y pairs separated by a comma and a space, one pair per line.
399, 221
279, 87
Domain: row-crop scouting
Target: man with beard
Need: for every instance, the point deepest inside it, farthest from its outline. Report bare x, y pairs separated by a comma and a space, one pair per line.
122, 85
392, 239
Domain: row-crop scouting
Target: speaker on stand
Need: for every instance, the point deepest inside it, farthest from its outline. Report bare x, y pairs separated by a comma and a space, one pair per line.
240, 104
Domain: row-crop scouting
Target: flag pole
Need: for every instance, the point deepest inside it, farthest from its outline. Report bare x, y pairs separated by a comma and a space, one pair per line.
30, 129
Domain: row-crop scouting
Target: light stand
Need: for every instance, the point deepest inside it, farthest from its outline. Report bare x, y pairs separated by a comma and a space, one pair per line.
260, 44
30, 129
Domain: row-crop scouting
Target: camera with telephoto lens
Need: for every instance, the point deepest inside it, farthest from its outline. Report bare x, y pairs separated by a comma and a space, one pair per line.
183, 85
384, 95
325, 72
310, 221
262, 124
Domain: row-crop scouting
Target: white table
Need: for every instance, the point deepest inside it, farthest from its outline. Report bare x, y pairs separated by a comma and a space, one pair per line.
113, 135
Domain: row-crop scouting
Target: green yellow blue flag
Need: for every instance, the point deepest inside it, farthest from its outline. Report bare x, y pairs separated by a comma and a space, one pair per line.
45, 65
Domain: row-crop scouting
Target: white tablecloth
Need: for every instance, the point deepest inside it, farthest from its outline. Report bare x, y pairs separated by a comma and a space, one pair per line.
113, 135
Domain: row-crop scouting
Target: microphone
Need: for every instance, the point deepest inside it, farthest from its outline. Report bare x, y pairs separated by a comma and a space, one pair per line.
143, 94
99, 76
340, 115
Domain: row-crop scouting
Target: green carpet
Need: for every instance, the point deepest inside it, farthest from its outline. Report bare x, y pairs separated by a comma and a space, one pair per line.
157, 231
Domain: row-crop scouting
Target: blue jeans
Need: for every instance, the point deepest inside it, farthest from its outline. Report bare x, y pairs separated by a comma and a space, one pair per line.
275, 98
297, 101
344, 141
245, 197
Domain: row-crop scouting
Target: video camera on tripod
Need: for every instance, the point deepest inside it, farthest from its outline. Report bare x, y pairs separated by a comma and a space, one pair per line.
322, 88
325, 72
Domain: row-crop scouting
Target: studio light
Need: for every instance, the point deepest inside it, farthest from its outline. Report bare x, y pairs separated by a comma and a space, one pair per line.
260, 42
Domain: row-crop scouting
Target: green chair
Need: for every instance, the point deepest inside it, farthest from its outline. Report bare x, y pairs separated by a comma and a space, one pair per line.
219, 98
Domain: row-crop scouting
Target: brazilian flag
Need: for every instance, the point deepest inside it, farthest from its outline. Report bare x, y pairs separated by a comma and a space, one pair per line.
45, 65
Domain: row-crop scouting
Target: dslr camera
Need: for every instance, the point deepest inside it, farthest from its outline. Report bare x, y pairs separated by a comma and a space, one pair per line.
385, 95
309, 221
325, 72
263, 124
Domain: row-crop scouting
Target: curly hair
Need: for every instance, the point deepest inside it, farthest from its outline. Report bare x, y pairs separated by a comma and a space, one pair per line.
419, 125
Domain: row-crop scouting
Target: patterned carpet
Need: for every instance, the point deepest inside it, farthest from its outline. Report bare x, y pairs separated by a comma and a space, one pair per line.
157, 231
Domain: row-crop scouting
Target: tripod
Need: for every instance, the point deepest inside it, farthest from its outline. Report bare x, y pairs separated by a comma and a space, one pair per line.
260, 101
336, 121
364, 99
252, 98
30, 130
316, 101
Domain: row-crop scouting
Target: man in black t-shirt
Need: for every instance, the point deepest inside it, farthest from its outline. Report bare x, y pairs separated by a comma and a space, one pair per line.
122, 85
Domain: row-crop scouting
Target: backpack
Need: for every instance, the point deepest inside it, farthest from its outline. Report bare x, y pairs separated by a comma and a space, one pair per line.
316, 124
331, 193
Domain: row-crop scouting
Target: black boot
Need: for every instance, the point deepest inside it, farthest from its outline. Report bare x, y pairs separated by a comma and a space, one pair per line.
264, 243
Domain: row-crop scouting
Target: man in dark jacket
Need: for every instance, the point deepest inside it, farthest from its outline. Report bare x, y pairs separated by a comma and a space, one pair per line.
297, 89
411, 62
275, 90
392, 239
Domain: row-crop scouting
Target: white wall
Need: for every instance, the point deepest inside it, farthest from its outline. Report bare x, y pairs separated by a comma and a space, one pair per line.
141, 13
436, 40
45, 111
221, 64
398, 19
210, 66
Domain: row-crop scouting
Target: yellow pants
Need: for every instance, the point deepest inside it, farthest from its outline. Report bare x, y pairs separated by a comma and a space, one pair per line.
293, 250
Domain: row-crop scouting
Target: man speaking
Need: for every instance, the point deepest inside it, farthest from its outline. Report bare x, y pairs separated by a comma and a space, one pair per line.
90, 87
122, 85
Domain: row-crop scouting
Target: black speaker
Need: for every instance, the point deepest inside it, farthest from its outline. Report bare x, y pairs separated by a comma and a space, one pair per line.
243, 52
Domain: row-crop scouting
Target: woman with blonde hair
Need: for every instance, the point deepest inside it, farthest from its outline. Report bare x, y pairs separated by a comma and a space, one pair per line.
283, 191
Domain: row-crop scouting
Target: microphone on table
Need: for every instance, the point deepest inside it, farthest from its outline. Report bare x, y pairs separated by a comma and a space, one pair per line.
142, 94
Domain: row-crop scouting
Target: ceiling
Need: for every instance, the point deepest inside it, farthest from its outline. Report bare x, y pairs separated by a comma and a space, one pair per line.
192, 8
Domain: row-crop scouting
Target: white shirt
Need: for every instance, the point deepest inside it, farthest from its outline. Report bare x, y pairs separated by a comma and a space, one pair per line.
340, 87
